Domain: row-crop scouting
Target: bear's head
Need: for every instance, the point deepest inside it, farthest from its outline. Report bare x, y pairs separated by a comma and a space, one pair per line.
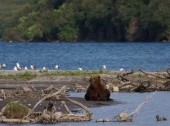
95, 81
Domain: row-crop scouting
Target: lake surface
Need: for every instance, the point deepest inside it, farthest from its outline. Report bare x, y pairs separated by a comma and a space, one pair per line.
71, 56
159, 104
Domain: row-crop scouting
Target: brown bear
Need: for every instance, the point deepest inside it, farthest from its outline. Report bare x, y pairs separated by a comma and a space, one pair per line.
96, 91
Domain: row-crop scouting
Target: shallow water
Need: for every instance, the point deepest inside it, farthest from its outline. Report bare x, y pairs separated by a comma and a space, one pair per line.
71, 56
159, 104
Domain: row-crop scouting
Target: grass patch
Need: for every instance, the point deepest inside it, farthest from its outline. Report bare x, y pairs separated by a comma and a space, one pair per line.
28, 75
74, 73
25, 76
15, 110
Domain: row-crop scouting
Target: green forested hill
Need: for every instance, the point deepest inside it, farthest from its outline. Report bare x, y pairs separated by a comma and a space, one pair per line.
8, 10
10, 7
85, 20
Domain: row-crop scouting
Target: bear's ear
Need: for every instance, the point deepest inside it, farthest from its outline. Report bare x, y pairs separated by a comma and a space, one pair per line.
98, 77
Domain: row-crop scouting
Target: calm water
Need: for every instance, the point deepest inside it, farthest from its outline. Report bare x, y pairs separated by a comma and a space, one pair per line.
159, 104
148, 56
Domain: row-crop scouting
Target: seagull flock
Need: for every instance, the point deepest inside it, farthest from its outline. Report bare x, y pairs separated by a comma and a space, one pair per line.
18, 67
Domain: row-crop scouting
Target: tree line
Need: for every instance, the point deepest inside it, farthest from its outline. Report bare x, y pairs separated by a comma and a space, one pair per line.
89, 20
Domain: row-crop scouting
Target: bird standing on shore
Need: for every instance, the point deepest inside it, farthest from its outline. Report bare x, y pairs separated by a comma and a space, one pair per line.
57, 67
15, 68
3, 65
81, 69
25, 68
104, 67
32, 67
44, 68
122, 69
18, 67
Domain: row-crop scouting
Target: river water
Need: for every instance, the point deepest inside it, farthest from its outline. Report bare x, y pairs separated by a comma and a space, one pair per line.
159, 104
71, 56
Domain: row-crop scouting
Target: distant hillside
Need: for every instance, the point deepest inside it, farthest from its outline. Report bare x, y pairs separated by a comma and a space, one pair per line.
10, 7
85, 20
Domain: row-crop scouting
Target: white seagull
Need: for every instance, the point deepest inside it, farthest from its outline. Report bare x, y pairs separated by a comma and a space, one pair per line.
15, 68
104, 67
3, 65
18, 66
32, 67
80, 68
44, 68
26, 68
57, 67
122, 69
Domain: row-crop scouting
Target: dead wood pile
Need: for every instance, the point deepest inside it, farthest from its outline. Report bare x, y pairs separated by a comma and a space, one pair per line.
138, 81
49, 114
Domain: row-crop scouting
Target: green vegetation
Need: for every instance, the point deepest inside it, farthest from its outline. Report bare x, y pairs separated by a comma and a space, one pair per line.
15, 110
85, 20
74, 73
24, 76
31, 75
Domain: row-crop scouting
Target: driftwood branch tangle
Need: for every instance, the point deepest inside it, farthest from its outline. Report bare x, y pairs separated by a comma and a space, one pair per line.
128, 73
122, 78
151, 74
63, 89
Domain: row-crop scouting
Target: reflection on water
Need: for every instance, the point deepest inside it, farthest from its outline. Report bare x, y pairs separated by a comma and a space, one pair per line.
160, 104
